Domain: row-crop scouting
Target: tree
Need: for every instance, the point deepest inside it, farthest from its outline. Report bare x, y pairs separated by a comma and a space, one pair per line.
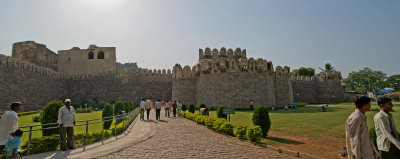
365, 80
107, 112
261, 118
328, 67
48, 115
393, 82
302, 71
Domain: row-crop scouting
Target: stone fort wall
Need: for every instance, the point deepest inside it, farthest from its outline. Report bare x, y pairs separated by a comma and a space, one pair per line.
228, 78
35, 86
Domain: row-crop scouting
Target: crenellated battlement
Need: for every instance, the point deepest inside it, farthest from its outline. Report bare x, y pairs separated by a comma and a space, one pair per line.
215, 53
330, 75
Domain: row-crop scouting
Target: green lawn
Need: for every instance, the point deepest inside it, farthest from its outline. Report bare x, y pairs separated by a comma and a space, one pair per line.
27, 121
310, 121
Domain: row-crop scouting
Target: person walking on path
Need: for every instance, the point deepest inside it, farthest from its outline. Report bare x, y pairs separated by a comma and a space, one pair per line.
158, 109
148, 106
179, 109
9, 124
166, 108
13, 145
142, 105
386, 133
174, 108
66, 123
358, 142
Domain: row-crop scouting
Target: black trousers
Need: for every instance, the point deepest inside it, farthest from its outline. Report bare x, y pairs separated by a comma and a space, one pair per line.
158, 114
148, 113
393, 153
174, 110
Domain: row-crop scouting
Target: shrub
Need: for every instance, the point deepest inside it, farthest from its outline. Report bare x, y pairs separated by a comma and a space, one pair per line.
240, 131
184, 107
209, 122
29, 113
84, 110
203, 106
261, 118
226, 128
192, 108
219, 112
119, 106
50, 115
42, 144
254, 134
36, 118
107, 112
395, 96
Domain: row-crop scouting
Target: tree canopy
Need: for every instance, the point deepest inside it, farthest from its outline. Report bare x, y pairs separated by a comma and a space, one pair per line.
365, 80
302, 71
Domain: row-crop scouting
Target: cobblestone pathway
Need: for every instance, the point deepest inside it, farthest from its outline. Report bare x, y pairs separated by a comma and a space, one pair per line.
182, 138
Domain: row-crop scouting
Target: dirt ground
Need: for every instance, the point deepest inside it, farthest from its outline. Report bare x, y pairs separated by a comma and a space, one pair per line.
326, 147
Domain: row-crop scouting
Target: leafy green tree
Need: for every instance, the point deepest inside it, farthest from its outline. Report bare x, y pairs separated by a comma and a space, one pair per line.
393, 82
328, 67
364, 80
302, 71
261, 118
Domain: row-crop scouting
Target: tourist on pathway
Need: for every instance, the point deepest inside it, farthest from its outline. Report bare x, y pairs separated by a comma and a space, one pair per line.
8, 124
14, 144
386, 133
174, 108
251, 104
179, 108
158, 109
66, 123
149, 104
358, 142
142, 105
167, 108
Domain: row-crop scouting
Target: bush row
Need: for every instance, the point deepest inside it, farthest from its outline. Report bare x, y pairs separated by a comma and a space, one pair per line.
221, 125
51, 143
84, 110
395, 96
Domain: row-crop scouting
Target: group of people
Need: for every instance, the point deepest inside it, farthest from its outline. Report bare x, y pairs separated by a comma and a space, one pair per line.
147, 105
358, 142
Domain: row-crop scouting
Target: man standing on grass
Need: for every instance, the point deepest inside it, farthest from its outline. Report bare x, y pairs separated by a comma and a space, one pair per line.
66, 123
358, 142
9, 124
386, 133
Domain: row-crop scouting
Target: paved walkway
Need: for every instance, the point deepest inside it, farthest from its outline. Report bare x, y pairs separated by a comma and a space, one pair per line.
167, 138
182, 138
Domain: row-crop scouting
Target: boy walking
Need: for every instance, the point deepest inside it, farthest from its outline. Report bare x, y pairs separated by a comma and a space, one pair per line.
14, 144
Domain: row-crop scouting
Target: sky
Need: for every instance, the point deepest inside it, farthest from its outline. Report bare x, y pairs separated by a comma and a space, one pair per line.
157, 34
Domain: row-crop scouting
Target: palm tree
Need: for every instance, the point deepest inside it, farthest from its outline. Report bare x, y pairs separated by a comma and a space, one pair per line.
328, 67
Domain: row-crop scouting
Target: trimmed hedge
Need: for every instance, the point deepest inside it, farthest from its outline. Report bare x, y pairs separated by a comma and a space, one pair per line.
49, 114
240, 132
36, 118
219, 112
192, 108
184, 107
107, 112
216, 124
254, 134
261, 118
84, 110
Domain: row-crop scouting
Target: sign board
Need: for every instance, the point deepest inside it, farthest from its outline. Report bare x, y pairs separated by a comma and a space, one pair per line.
228, 111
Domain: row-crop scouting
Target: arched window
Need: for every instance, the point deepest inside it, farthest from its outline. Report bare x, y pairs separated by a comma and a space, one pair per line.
100, 55
90, 55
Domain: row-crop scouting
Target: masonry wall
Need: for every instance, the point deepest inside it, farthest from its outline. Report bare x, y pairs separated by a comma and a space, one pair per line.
35, 53
283, 91
124, 85
25, 82
235, 89
184, 90
317, 90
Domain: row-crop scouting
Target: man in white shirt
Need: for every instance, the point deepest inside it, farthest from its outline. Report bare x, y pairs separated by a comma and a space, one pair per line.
149, 105
386, 133
8, 124
358, 142
66, 121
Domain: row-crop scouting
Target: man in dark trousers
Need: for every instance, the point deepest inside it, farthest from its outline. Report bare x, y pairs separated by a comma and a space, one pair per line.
66, 123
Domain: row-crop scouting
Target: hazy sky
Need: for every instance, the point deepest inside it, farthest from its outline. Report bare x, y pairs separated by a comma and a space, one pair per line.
157, 34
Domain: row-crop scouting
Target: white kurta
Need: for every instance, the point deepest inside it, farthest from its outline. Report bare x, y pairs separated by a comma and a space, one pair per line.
66, 116
8, 125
